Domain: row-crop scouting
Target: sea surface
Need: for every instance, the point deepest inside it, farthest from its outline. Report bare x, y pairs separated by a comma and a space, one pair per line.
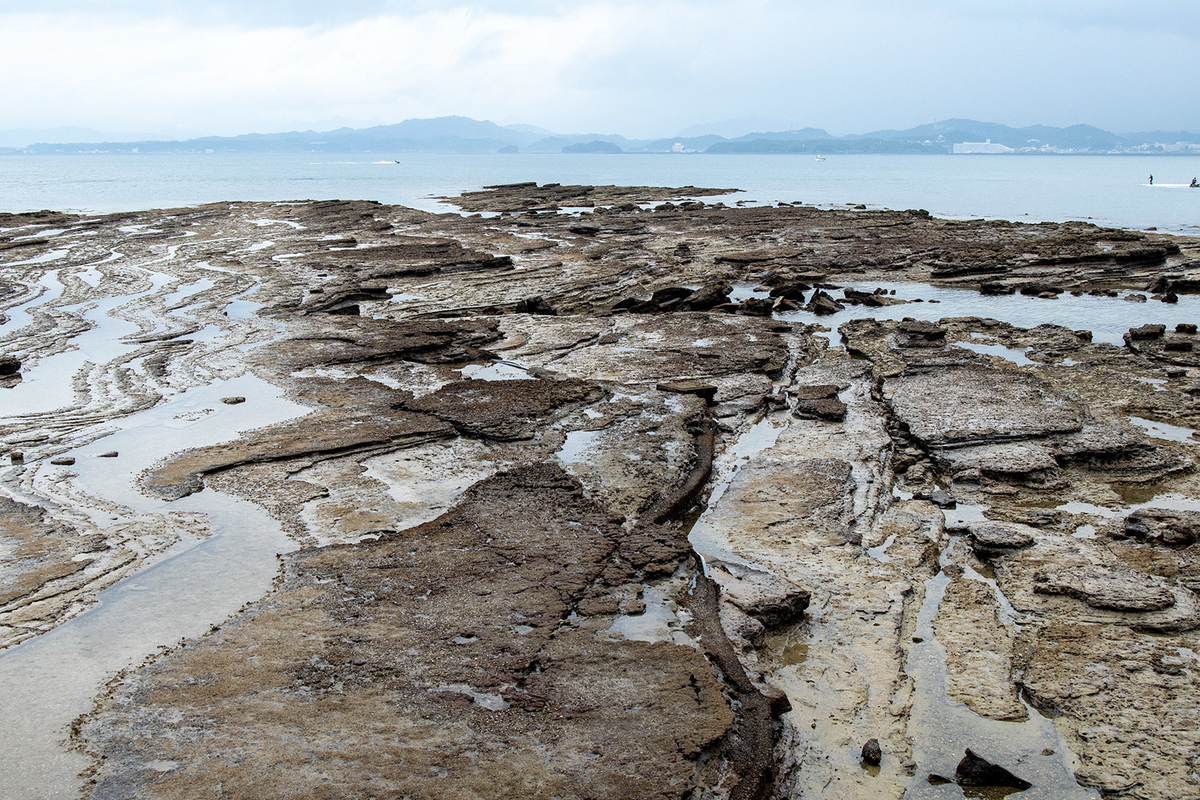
1107, 190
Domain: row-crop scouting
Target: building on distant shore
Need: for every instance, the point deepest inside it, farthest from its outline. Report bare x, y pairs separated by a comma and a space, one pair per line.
982, 147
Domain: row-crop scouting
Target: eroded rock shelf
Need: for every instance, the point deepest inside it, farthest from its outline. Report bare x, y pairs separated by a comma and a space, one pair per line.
602, 492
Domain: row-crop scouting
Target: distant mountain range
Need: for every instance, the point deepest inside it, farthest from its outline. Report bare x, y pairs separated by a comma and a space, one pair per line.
465, 135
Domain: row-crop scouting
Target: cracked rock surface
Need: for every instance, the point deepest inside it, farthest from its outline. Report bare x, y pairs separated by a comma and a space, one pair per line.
585, 500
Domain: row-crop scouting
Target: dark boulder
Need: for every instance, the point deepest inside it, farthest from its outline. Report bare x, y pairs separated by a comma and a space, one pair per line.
756, 307
707, 297
9, 365
778, 701
791, 291
871, 752
822, 304
975, 770
816, 391
828, 408
1146, 332
855, 297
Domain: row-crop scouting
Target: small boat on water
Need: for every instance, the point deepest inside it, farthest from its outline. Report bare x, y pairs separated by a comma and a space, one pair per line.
820, 158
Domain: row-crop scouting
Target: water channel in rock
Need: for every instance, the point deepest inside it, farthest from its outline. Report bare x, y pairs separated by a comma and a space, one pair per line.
941, 728
53, 678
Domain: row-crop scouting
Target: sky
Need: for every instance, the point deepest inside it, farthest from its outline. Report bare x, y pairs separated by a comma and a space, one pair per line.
643, 69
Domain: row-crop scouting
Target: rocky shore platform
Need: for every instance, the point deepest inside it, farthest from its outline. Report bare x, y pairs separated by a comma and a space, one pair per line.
597, 492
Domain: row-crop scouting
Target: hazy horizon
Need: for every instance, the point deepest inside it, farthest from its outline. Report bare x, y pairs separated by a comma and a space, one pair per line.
177, 70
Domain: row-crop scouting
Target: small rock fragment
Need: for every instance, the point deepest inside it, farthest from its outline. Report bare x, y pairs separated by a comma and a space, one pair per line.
232, 401
939, 497
707, 297
778, 700
9, 365
109, 454
816, 392
698, 388
871, 752
757, 307
1147, 332
763, 595
62, 461
16, 458
829, 408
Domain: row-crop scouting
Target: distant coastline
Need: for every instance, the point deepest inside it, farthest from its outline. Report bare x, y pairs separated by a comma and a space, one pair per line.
462, 135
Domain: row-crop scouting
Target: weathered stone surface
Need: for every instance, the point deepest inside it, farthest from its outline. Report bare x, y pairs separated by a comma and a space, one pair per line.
343, 426
814, 501
1157, 525
1099, 587
453, 652
504, 410
826, 408
1000, 536
525, 196
766, 597
822, 304
1109, 678
963, 405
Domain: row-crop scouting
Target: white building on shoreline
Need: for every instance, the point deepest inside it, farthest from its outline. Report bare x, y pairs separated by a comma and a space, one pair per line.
982, 147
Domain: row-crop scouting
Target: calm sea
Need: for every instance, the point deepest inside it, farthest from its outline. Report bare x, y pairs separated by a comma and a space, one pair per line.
1108, 190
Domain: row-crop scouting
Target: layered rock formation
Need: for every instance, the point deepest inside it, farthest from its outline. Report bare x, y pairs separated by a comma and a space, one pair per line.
491, 437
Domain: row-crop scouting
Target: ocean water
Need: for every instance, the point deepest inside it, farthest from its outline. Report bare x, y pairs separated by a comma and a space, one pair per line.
1107, 190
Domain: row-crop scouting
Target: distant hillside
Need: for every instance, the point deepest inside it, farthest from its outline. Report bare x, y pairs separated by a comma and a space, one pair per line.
783, 146
1081, 137
441, 135
593, 147
464, 135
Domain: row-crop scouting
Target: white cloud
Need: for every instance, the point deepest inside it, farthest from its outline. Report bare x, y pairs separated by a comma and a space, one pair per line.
636, 68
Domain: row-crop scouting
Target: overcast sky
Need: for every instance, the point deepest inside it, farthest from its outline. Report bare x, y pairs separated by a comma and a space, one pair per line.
639, 68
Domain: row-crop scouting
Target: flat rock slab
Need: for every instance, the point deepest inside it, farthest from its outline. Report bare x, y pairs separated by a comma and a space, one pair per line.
1109, 678
993, 536
444, 661
505, 410
975, 404
1109, 589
